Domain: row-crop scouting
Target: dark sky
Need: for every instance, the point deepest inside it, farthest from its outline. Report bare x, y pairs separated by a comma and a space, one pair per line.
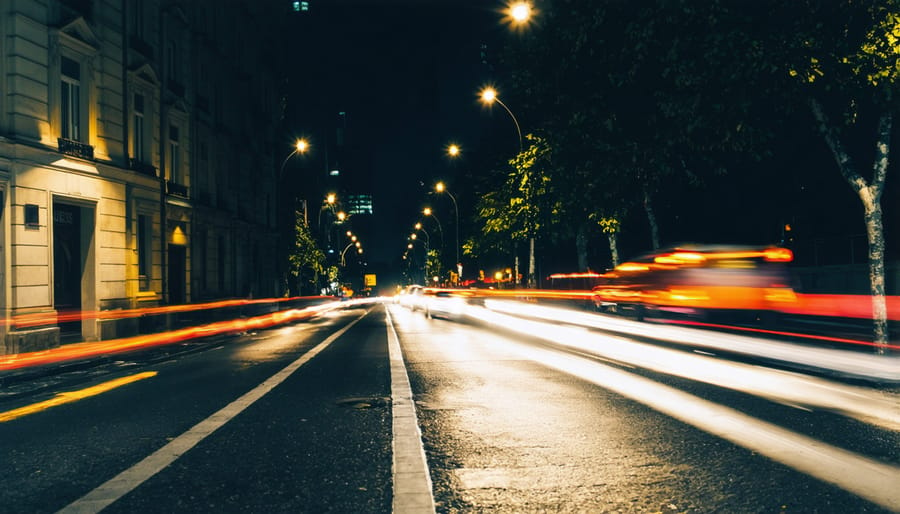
406, 73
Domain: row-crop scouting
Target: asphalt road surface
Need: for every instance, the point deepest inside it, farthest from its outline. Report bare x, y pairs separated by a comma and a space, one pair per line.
378, 409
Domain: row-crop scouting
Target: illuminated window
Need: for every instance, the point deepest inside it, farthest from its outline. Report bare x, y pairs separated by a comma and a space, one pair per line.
70, 99
301, 6
139, 152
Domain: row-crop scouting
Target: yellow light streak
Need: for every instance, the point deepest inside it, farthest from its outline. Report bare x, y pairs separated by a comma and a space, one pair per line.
73, 396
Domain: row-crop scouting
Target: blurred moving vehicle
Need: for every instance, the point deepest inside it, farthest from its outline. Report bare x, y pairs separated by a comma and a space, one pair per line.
445, 304
412, 297
708, 281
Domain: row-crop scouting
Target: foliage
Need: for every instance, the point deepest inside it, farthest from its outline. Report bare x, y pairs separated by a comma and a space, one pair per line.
523, 206
306, 259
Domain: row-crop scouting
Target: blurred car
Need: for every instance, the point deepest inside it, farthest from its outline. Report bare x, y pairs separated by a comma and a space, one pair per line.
445, 304
708, 281
412, 297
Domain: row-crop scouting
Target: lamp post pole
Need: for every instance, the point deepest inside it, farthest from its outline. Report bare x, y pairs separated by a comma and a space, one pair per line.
441, 188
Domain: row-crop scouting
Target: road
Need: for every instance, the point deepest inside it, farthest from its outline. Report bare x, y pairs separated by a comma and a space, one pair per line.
379, 409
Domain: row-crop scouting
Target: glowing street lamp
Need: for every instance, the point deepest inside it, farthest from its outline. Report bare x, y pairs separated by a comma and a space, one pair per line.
488, 96
301, 147
453, 150
520, 12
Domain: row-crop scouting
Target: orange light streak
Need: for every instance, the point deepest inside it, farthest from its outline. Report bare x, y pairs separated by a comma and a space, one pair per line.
40, 319
113, 346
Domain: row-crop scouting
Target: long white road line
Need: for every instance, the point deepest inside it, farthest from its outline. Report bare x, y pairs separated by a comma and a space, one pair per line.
870, 479
131, 478
412, 480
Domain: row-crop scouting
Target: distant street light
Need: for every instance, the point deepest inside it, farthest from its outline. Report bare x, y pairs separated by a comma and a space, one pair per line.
428, 212
488, 96
441, 188
453, 150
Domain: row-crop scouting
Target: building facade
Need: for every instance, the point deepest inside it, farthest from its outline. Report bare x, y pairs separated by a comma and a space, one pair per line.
136, 162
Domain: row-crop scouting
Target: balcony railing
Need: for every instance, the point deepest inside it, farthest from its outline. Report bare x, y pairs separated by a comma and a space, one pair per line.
176, 189
75, 148
143, 168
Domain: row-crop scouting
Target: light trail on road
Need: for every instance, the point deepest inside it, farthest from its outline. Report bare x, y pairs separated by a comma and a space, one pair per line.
73, 396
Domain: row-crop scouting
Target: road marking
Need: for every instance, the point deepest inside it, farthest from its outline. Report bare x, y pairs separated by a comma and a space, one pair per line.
128, 480
870, 479
73, 396
411, 478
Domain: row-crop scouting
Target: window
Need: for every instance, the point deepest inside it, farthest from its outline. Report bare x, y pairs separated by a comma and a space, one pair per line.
32, 216
139, 151
144, 242
137, 18
172, 60
174, 155
70, 99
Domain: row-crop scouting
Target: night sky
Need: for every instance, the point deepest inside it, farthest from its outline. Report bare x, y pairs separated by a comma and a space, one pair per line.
407, 74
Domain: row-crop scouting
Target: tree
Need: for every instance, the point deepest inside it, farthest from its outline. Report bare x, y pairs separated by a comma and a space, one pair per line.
845, 57
633, 121
524, 205
306, 260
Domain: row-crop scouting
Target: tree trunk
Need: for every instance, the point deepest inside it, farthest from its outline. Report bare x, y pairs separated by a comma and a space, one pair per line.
515, 277
613, 247
532, 283
651, 218
581, 247
875, 235
870, 195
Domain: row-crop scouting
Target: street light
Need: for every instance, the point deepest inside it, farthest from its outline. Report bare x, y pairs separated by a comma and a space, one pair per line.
488, 96
349, 245
441, 188
520, 12
453, 150
301, 147
428, 212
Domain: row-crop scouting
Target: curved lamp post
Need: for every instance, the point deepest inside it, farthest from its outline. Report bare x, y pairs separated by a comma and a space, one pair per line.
301, 147
355, 243
488, 96
428, 212
441, 188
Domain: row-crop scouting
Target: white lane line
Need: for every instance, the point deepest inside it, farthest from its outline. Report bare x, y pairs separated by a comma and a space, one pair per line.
128, 480
870, 479
411, 478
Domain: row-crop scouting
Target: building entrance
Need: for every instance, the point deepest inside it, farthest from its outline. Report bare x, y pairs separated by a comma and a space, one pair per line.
177, 274
68, 269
